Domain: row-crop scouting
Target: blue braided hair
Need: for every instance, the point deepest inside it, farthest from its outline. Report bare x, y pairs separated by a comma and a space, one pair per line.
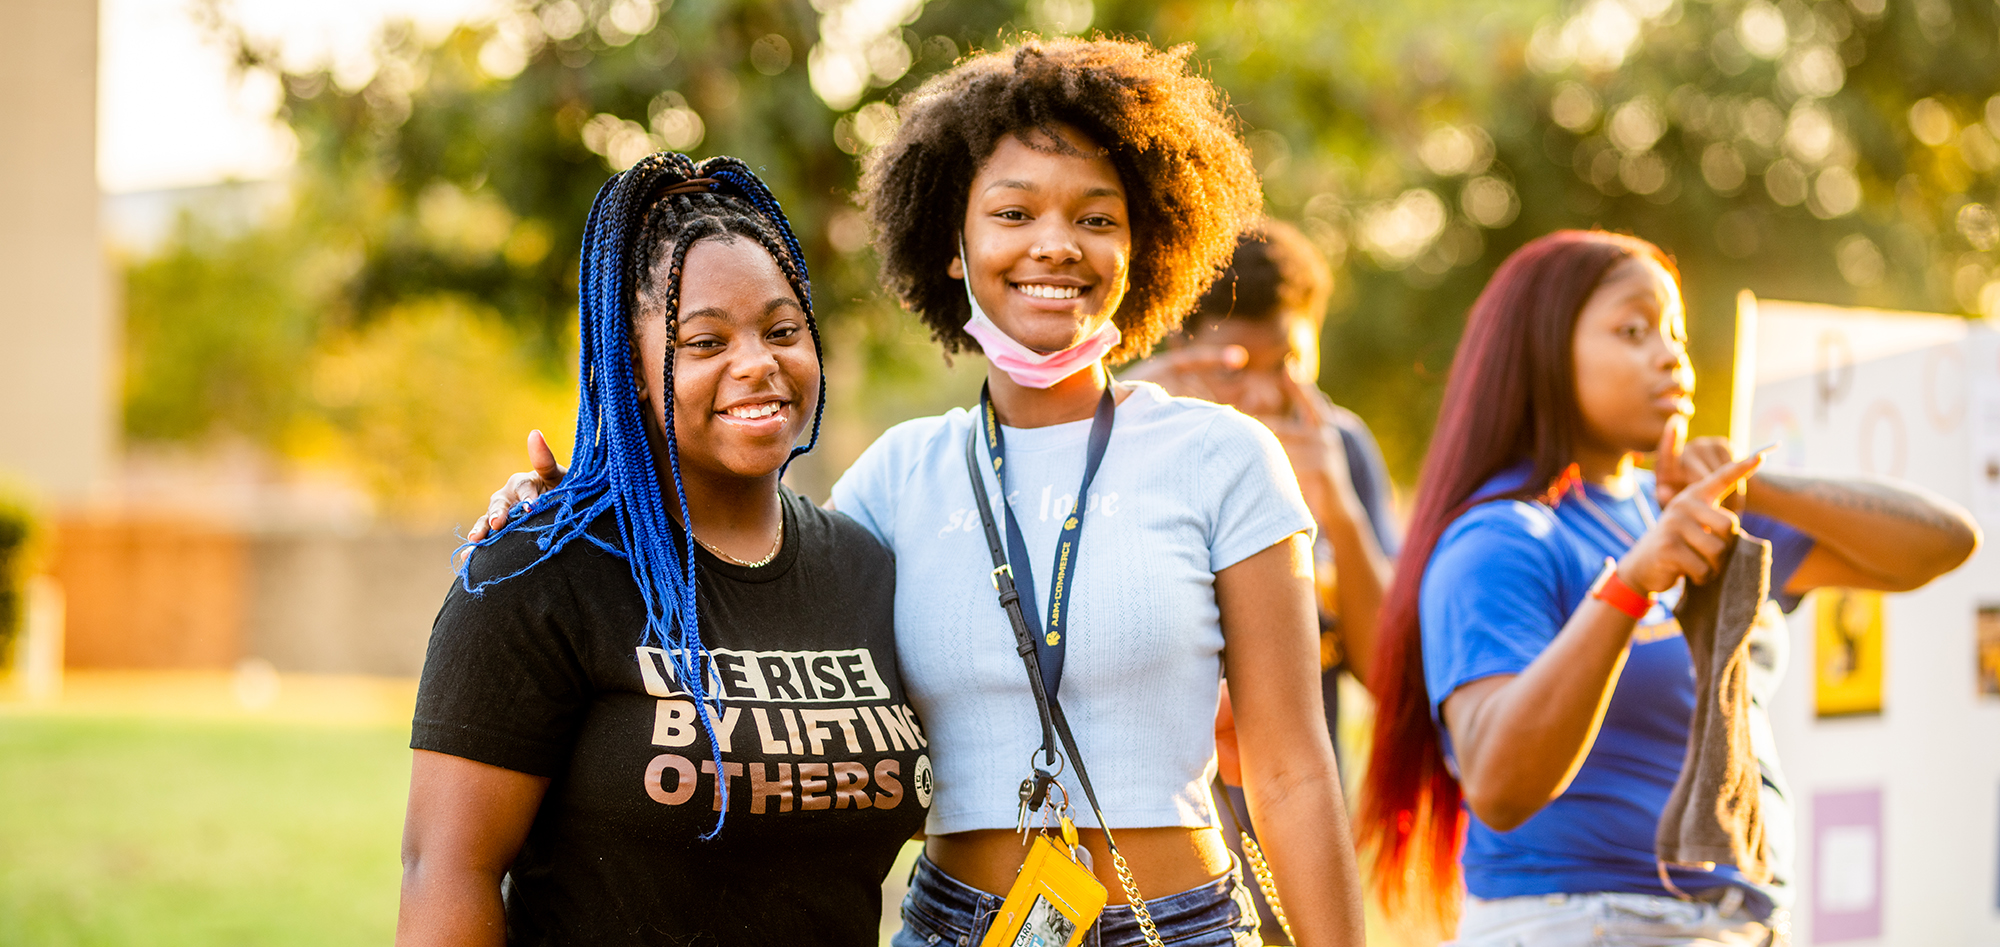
657, 208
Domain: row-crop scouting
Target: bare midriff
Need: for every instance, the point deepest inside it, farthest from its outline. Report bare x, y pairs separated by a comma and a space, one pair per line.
1164, 860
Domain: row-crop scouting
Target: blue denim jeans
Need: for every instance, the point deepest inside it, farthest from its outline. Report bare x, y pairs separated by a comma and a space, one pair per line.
1610, 919
941, 909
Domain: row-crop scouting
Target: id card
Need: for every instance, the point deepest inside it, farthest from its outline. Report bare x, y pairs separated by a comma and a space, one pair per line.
1052, 903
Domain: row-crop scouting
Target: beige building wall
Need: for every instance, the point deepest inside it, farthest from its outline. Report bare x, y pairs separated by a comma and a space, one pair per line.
58, 406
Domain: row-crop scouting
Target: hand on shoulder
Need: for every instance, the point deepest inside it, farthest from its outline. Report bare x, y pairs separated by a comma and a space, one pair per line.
521, 490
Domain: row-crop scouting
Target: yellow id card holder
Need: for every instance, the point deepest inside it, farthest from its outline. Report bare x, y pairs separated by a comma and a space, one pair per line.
1052, 904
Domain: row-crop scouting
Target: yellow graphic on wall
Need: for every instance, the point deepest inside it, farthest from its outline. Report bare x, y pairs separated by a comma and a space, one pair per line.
1847, 658
1989, 650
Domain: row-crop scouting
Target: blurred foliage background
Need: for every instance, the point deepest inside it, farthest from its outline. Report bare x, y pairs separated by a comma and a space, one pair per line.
410, 313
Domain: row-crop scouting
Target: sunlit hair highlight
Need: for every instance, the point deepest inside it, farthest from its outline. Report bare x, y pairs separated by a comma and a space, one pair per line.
1275, 272
661, 205
1511, 398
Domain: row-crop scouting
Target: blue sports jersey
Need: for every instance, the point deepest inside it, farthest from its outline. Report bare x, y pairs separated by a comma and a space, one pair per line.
1501, 583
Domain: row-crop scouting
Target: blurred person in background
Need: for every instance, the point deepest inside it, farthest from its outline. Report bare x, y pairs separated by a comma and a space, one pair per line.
1059, 206
594, 753
1531, 669
1253, 343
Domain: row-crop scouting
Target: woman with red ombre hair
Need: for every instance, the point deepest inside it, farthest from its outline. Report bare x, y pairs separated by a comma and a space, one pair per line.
1534, 688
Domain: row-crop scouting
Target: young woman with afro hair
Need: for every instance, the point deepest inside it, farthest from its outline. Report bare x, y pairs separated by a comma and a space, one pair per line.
1059, 206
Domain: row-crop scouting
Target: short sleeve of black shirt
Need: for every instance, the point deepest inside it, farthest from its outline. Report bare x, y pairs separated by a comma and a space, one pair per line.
503, 683
548, 672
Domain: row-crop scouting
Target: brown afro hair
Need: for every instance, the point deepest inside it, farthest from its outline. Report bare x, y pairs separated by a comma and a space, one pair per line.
1189, 183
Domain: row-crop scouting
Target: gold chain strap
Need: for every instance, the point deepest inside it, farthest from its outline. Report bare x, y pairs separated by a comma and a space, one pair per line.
1267, 883
1145, 917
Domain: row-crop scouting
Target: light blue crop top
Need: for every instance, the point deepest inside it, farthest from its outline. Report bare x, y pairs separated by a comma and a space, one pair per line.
1187, 488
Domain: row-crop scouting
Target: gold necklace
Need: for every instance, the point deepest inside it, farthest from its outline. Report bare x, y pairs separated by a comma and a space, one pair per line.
776, 544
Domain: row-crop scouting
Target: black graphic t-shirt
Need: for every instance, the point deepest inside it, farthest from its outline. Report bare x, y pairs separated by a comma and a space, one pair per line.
827, 773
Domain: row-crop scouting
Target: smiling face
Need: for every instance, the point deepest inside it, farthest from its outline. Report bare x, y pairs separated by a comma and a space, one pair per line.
1630, 352
1049, 240
746, 374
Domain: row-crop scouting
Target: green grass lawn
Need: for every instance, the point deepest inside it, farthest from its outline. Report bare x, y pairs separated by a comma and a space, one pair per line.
186, 832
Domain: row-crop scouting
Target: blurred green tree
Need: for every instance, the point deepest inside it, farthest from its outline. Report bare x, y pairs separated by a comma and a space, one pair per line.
20, 529
463, 171
216, 325
1840, 151
1826, 151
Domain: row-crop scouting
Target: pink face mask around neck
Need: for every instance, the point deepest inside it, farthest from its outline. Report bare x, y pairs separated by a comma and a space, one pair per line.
1029, 368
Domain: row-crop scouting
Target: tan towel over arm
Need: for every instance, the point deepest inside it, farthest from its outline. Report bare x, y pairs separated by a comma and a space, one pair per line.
1713, 815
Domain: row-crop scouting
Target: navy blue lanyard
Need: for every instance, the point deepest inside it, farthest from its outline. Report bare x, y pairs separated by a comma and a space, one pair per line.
1049, 645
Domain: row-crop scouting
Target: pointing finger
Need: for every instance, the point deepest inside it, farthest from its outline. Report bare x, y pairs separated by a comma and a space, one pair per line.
1711, 489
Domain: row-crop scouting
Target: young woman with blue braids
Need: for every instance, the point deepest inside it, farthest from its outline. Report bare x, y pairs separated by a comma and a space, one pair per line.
664, 708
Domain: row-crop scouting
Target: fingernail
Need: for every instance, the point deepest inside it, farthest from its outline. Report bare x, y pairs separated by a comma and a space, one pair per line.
1235, 356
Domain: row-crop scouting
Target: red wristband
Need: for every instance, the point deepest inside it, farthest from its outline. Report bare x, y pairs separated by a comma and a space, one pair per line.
1613, 591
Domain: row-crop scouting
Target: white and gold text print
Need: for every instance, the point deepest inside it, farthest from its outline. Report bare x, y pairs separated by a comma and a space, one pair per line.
823, 722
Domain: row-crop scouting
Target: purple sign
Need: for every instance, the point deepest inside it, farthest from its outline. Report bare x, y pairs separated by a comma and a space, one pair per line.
1847, 866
